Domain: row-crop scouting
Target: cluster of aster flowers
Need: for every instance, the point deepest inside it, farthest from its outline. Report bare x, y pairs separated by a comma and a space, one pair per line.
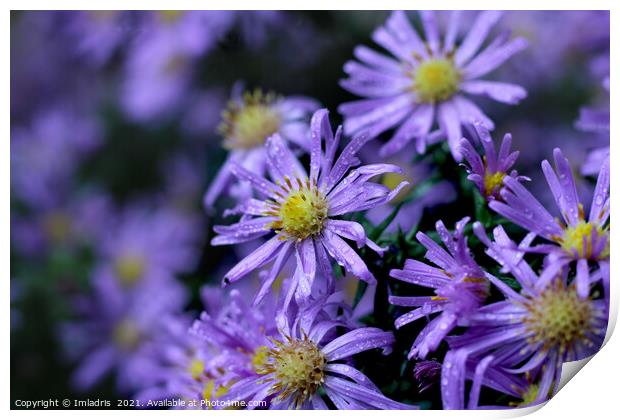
318, 233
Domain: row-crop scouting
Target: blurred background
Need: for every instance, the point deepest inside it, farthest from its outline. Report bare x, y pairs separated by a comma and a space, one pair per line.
114, 141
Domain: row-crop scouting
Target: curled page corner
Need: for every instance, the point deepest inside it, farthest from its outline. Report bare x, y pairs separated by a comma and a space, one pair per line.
570, 369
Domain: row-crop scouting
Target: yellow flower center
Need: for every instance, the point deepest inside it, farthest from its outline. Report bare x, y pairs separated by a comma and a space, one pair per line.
129, 269
573, 239
392, 180
170, 16
303, 212
126, 335
261, 356
559, 318
436, 80
492, 182
196, 368
248, 125
298, 368
57, 226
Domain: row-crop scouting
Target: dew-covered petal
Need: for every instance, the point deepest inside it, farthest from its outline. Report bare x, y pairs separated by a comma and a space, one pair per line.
357, 341
261, 256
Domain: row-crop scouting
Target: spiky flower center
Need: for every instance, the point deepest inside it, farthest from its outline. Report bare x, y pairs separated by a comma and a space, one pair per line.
129, 269
303, 211
436, 80
297, 366
260, 357
248, 125
559, 318
579, 239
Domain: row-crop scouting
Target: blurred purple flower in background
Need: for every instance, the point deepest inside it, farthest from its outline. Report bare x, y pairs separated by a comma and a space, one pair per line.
143, 248
427, 81
161, 60
112, 330
596, 121
98, 34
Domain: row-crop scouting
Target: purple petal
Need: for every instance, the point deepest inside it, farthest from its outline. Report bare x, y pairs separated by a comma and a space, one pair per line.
261, 256
476, 36
503, 92
357, 341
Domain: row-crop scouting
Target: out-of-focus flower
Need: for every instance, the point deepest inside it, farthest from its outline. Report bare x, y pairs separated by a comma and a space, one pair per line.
99, 33
144, 248
46, 154
111, 333
301, 208
427, 81
78, 221
597, 121
577, 239
45, 158
161, 59
574, 34
303, 365
248, 121
489, 172
537, 330
255, 26
459, 282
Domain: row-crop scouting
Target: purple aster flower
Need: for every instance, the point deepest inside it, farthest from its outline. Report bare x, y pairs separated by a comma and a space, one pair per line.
46, 154
78, 221
306, 357
301, 209
597, 121
197, 362
111, 333
577, 238
162, 60
460, 288
247, 122
98, 33
489, 171
427, 81
534, 331
143, 248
